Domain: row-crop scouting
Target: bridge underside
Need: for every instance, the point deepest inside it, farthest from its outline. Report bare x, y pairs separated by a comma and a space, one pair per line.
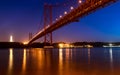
87, 7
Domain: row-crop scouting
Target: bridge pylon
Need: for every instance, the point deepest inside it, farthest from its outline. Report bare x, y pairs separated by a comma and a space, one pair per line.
47, 22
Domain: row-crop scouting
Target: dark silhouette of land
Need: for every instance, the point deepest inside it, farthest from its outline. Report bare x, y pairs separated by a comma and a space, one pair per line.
55, 45
20, 45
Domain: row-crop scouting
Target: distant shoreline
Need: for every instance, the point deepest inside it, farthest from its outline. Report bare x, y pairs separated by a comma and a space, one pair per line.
55, 45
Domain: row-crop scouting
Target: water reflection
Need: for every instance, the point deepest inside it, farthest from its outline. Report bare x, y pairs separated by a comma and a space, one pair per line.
70, 53
41, 57
38, 58
67, 54
75, 61
88, 55
60, 58
111, 55
67, 61
24, 61
111, 59
10, 66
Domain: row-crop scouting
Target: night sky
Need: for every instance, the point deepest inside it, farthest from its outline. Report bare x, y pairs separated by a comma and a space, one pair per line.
19, 17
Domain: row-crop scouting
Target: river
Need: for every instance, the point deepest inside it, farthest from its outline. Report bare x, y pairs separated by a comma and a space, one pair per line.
67, 61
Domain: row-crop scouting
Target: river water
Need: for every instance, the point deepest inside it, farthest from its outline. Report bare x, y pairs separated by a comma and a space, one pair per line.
73, 61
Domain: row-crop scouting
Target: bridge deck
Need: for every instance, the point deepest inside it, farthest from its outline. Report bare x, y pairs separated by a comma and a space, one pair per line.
84, 9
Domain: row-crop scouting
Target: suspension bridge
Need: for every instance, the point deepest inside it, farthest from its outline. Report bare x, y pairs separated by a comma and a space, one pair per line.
79, 10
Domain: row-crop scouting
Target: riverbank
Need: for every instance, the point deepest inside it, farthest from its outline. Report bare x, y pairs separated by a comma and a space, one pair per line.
56, 45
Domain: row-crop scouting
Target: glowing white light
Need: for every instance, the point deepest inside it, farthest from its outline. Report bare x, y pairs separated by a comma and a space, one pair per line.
65, 12
80, 1
11, 38
71, 8
110, 45
89, 46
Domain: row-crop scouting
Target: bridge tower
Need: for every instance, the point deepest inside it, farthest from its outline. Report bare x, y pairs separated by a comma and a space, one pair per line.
47, 21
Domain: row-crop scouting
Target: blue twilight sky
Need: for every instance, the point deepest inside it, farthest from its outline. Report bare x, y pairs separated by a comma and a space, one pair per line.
19, 17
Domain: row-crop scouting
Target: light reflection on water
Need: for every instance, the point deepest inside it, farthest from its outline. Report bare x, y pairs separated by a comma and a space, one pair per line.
111, 60
77, 61
60, 59
88, 55
10, 66
24, 62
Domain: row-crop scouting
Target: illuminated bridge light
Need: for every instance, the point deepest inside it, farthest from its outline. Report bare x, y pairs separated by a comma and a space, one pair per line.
71, 8
65, 12
60, 16
80, 1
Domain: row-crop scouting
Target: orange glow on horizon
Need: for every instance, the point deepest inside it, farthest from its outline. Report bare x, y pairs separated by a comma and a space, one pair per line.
25, 43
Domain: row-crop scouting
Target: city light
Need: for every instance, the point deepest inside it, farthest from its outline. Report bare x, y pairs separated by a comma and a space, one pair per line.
67, 45
110, 45
61, 45
25, 43
89, 46
11, 38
